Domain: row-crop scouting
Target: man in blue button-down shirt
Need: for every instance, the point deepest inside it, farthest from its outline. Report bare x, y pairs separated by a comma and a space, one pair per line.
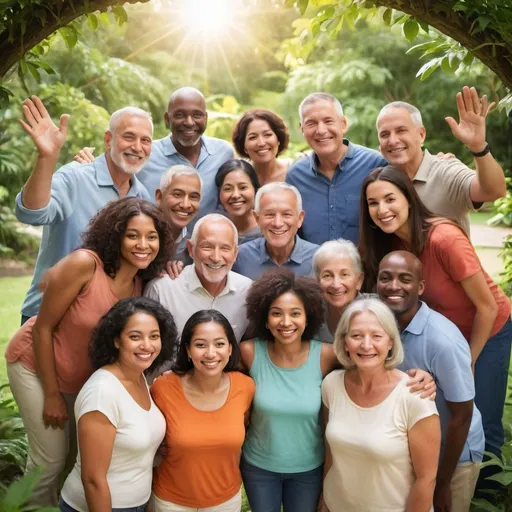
187, 118
434, 343
330, 179
278, 210
66, 201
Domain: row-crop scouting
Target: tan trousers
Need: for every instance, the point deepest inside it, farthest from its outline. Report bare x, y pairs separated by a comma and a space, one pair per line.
463, 485
232, 505
48, 447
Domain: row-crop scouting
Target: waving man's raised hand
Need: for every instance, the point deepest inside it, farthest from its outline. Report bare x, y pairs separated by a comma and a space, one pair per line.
47, 137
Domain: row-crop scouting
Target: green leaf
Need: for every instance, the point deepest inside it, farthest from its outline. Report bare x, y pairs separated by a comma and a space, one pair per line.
104, 19
69, 35
483, 21
428, 68
120, 14
20, 490
504, 478
411, 29
93, 21
44, 65
34, 71
303, 5
386, 16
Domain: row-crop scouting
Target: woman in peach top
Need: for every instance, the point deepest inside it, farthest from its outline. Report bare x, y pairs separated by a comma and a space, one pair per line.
47, 360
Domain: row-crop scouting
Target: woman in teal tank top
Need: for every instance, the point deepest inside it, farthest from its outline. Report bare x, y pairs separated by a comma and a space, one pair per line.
283, 453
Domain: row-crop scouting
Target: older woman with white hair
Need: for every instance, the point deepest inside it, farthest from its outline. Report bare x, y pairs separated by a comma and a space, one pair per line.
339, 272
382, 442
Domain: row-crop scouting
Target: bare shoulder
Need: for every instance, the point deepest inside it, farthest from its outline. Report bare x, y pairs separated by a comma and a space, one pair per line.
328, 359
247, 353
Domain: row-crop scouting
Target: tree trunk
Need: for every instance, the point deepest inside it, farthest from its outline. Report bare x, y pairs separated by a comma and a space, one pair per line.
13, 50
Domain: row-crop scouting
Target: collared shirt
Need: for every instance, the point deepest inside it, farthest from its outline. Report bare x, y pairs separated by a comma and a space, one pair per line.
332, 206
77, 193
253, 258
444, 188
214, 152
185, 295
434, 343
180, 248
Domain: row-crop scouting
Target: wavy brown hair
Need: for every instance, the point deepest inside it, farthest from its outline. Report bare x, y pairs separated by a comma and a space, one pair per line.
271, 285
106, 230
374, 244
275, 122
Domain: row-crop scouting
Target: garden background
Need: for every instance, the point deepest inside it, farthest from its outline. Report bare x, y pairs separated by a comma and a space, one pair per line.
241, 54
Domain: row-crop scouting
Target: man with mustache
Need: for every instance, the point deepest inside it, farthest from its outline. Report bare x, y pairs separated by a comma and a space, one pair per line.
65, 201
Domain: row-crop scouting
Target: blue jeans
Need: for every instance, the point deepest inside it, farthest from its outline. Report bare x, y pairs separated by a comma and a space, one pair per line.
266, 490
64, 507
491, 375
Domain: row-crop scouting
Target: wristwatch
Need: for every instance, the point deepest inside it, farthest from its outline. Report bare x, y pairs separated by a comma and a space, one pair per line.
484, 151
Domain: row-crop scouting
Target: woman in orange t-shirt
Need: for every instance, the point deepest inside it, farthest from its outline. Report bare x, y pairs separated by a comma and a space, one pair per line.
47, 358
456, 285
206, 405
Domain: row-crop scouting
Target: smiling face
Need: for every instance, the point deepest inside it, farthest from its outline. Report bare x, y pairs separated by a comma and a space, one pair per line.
366, 342
187, 117
129, 147
399, 282
209, 349
339, 281
287, 318
214, 252
323, 128
237, 194
140, 243
400, 140
278, 218
180, 200
388, 208
261, 143
139, 343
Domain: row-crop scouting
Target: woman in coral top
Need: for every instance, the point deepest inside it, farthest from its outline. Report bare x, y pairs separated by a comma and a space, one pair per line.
393, 216
47, 361
206, 404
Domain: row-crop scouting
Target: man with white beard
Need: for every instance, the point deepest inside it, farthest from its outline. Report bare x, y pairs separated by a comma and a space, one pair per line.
65, 201
209, 283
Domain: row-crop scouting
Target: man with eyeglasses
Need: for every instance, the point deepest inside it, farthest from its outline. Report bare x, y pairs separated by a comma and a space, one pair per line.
187, 118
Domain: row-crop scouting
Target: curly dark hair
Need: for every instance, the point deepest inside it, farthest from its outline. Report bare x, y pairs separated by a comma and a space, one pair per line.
106, 229
374, 244
276, 123
182, 364
102, 349
271, 285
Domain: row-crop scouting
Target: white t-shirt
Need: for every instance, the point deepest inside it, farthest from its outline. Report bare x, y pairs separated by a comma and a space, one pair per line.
139, 434
371, 464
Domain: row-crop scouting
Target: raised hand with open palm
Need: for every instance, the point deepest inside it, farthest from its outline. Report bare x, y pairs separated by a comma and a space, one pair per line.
47, 137
470, 129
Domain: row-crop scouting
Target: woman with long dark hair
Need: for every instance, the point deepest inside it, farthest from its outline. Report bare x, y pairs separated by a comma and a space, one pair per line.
119, 426
393, 217
127, 242
206, 403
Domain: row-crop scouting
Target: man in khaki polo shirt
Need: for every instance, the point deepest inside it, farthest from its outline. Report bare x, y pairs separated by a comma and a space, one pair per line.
209, 283
447, 187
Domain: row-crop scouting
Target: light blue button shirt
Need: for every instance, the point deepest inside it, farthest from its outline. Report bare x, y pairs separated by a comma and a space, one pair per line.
332, 206
434, 343
253, 258
214, 152
77, 193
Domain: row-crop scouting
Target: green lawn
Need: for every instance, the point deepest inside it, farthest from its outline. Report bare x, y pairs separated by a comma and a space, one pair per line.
13, 291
